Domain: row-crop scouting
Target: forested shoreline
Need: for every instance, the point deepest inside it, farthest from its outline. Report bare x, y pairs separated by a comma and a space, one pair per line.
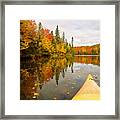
37, 40
87, 50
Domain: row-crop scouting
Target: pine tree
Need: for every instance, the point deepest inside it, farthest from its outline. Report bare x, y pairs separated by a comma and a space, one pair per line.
40, 37
63, 37
72, 42
57, 35
52, 33
40, 26
39, 30
53, 43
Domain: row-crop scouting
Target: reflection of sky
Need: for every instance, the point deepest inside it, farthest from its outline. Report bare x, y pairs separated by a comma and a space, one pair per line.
84, 32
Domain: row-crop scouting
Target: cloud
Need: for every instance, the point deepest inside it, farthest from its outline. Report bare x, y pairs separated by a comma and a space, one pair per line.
85, 32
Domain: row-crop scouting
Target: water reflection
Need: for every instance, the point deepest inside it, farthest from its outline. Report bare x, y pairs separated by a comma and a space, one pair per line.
95, 60
40, 75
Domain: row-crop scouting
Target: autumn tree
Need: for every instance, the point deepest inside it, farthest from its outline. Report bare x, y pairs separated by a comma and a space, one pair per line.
27, 33
41, 41
47, 42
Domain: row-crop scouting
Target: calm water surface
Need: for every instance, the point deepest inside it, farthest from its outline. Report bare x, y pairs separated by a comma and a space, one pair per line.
56, 79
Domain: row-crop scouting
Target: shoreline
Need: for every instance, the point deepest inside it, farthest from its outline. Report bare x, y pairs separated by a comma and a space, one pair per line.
86, 55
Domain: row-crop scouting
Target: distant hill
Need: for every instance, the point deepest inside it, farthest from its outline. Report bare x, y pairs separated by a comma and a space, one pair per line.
87, 50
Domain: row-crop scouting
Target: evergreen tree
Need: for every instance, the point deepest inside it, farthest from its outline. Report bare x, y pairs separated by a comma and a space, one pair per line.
40, 37
40, 30
53, 42
63, 37
57, 35
40, 26
72, 42
52, 33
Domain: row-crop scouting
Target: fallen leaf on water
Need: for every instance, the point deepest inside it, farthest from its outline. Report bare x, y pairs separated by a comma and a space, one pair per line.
68, 93
73, 83
54, 98
33, 88
37, 94
35, 84
34, 96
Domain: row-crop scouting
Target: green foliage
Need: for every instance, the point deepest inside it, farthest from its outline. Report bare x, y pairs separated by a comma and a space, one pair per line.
72, 42
63, 37
57, 35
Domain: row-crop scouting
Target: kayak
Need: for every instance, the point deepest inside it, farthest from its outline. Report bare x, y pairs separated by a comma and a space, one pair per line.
89, 91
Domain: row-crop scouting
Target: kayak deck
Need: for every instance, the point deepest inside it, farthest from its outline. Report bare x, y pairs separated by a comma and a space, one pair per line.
89, 91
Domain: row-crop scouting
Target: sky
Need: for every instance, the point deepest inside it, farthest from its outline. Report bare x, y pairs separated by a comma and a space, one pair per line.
84, 32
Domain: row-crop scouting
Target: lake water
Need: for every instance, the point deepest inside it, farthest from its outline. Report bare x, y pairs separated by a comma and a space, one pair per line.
56, 78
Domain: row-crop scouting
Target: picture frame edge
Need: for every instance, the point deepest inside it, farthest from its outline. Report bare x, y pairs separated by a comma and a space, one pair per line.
117, 65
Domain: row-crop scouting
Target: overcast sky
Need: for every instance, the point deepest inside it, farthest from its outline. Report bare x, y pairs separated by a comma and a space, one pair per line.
84, 32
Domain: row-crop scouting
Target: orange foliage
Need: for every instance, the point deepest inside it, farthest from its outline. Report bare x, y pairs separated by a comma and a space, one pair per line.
87, 50
27, 84
88, 59
48, 35
47, 72
27, 32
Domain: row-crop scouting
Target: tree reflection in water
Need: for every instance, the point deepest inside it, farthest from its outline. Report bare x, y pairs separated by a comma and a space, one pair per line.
35, 72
